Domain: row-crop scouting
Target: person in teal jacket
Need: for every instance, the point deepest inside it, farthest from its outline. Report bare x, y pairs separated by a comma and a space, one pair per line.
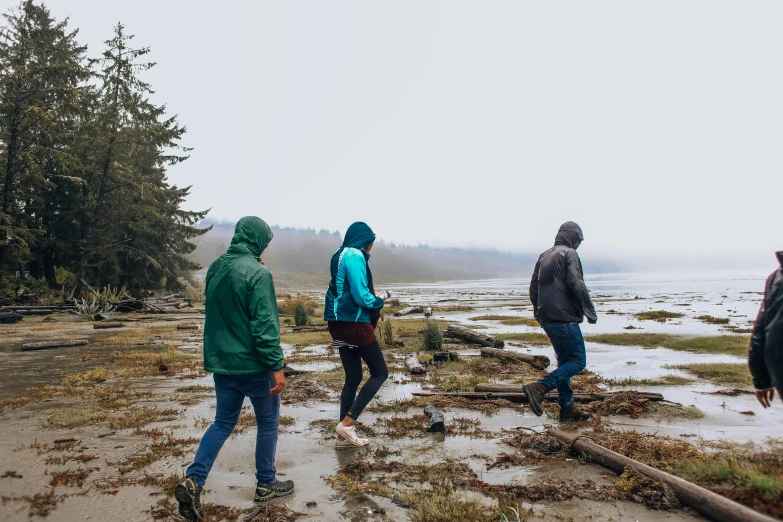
352, 311
242, 351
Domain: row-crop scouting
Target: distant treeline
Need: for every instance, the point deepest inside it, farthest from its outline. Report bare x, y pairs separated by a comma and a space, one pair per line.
84, 153
299, 258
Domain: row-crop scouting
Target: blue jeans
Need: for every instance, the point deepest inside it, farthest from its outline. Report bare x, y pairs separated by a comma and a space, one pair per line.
569, 345
231, 391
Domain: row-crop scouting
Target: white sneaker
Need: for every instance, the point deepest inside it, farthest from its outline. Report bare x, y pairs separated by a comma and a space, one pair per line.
345, 444
350, 435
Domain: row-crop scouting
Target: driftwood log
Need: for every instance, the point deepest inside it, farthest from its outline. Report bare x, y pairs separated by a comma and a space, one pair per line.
428, 312
10, 317
187, 327
409, 310
517, 388
414, 366
520, 397
472, 336
309, 328
43, 345
437, 422
539, 362
709, 504
105, 326
445, 356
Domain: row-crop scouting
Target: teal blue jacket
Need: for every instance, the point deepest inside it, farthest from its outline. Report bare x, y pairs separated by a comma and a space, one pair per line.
349, 297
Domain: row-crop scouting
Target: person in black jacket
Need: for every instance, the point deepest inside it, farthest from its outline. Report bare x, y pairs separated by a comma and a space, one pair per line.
766, 344
560, 301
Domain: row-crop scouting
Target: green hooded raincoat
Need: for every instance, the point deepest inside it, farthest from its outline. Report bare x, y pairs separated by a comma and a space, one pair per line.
242, 327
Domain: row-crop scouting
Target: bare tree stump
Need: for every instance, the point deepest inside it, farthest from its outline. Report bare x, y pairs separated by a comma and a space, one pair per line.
437, 422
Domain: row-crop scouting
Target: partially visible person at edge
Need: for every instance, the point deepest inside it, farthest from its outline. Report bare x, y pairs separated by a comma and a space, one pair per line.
242, 351
766, 344
560, 300
352, 311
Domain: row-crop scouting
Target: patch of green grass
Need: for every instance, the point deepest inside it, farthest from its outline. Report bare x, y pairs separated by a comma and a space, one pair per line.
286, 420
718, 344
713, 320
509, 320
663, 380
306, 338
741, 472
658, 315
718, 373
534, 338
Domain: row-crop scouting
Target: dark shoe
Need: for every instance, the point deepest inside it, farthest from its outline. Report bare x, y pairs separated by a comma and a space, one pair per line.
535, 396
188, 494
570, 413
266, 492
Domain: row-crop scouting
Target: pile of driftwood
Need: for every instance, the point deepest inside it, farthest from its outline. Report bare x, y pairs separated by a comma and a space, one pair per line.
166, 304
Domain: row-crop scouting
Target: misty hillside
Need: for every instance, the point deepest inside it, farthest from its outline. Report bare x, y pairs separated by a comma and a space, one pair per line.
300, 258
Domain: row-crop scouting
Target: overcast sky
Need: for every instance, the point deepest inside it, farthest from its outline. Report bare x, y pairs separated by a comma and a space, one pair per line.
657, 126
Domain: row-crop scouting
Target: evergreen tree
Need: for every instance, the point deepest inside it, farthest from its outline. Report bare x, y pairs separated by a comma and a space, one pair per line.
42, 81
134, 229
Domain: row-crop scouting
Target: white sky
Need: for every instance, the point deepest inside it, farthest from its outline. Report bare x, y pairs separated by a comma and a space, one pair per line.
657, 126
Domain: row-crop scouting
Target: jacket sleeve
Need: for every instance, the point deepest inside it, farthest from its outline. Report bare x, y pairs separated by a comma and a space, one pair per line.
756, 363
265, 320
356, 271
534, 288
576, 286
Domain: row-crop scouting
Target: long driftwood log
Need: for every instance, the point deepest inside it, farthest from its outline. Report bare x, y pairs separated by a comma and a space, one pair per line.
437, 421
10, 317
539, 362
104, 326
43, 345
414, 366
187, 327
520, 397
517, 388
409, 310
466, 334
709, 504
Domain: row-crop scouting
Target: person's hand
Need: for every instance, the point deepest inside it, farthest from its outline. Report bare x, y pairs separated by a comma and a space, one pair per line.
592, 321
279, 379
261, 260
765, 397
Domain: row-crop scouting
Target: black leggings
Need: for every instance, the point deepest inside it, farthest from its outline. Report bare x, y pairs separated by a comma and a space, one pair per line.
350, 404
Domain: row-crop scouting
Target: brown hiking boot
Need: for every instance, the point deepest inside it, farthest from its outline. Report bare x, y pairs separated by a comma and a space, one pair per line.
570, 413
535, 395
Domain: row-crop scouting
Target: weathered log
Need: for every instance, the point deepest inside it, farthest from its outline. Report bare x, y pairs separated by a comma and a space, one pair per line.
43, 345
445, 356
473, 336
409, 310
517, 388
36, 311
104, 326
414, 366
10, 318
187, 327
437, 422
539, 362
309, 328
520, 397
709, 504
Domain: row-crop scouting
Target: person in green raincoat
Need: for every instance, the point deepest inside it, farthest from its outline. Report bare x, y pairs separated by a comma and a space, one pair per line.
242, 351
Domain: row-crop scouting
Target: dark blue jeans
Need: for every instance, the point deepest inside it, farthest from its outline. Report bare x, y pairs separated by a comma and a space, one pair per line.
231, 391
569, 345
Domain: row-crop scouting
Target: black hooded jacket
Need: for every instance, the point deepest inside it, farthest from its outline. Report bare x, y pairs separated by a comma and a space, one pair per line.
558, 290
766, 343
